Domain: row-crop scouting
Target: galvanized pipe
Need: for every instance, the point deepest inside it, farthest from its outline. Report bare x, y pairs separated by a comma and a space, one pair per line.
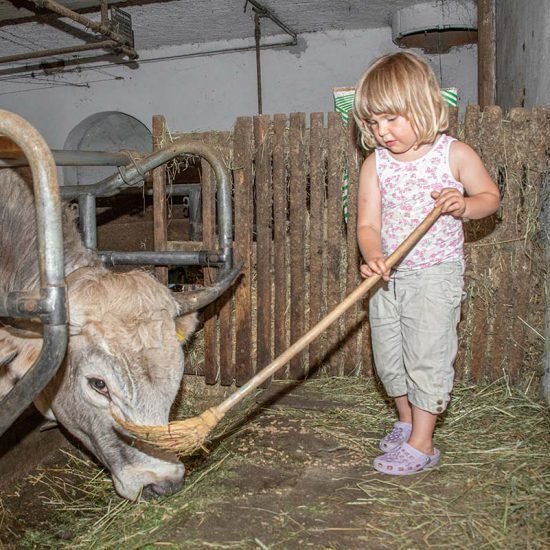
104, 44
265, 12
135, 173
47, 198
203, 258
87, 213
64, 157
87, 206
100, 28
50, 305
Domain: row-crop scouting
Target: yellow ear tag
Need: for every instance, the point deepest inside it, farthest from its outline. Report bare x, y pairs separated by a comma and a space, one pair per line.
181, 335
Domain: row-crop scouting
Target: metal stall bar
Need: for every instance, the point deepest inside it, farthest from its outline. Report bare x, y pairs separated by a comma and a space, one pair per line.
102, 45
49, 304
103, 28
63, 157
133, 175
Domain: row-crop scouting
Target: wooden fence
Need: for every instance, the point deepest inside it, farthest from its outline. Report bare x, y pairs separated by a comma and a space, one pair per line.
301, 257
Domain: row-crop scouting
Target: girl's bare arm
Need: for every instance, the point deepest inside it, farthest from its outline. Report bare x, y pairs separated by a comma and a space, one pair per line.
369, 221
482, 197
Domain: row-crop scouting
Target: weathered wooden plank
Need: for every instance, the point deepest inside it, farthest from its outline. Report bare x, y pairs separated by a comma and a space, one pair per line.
226, 326
464, 366
486, 52
497, 292
453, 122
317, 228
211, 368
532, 282
264, 202
160, 222
354, 319
185, 246
335, 240
280, 244
242, 177
520, 264
488, 129
297, 218
366, 344
541, 163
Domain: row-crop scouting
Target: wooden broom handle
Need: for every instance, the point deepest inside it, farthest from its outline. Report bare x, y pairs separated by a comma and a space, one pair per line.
317, 329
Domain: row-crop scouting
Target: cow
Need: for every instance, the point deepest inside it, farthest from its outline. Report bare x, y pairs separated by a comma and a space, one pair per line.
124, 355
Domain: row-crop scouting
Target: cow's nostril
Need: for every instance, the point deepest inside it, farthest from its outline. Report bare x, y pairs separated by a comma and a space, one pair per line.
164, 488
150, 492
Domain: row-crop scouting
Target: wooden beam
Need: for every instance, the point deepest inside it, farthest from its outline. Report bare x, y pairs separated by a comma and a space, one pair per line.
486, 53
160, 222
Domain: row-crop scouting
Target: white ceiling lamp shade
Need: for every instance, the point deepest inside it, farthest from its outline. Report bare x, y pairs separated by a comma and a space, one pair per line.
436, 26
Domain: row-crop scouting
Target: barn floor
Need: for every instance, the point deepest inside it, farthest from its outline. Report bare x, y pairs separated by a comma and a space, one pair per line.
293, 469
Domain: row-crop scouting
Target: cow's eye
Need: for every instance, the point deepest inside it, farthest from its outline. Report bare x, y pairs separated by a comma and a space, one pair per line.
99, 386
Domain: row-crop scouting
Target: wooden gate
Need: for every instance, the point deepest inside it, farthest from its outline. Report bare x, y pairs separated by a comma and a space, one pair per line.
301, 257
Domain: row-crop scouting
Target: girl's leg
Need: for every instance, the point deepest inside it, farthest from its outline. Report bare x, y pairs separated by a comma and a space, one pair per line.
431, 310
423, 428
387, 341
404, 409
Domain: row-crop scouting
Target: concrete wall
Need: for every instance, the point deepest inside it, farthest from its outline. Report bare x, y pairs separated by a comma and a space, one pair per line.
208, 92
523, 53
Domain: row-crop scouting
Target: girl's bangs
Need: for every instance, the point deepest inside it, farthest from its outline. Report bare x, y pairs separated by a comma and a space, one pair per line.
385, 97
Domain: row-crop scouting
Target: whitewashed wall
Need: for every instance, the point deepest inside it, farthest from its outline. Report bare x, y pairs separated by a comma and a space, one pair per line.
208, 92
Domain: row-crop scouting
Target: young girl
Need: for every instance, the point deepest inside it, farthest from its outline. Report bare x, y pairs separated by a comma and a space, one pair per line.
414, 314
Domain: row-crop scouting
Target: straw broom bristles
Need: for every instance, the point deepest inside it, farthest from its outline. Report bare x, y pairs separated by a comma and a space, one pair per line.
184, 437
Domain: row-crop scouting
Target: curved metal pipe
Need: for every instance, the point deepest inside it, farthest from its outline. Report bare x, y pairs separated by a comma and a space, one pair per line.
52, 307
197, 299
135, 173
54, 346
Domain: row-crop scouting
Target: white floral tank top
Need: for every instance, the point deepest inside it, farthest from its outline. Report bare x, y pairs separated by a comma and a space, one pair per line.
406, 200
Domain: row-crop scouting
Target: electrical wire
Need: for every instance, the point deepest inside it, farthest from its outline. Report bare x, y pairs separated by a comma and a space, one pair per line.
58, 84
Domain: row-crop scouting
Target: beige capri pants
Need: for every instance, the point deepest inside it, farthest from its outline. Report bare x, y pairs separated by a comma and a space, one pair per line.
414, 320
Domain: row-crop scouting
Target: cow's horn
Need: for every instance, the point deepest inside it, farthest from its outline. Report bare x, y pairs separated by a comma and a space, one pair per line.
197, 299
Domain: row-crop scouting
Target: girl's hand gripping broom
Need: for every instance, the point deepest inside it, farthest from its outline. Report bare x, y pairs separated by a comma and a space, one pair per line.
184, 437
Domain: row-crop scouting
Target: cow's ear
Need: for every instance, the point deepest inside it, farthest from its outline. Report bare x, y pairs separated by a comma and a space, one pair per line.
185, 326
18, 352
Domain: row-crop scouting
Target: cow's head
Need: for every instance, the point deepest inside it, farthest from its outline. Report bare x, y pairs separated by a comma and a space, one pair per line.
125, 358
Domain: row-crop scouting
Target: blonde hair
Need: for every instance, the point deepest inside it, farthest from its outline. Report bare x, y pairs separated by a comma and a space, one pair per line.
400, 84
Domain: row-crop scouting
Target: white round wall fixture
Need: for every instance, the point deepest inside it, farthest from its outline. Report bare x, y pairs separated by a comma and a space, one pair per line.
436, 26
108, 131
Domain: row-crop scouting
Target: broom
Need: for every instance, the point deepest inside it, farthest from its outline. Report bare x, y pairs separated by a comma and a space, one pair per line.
184, 437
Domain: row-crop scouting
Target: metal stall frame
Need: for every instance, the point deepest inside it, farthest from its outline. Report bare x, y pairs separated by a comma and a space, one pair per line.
49, 303
132, 174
